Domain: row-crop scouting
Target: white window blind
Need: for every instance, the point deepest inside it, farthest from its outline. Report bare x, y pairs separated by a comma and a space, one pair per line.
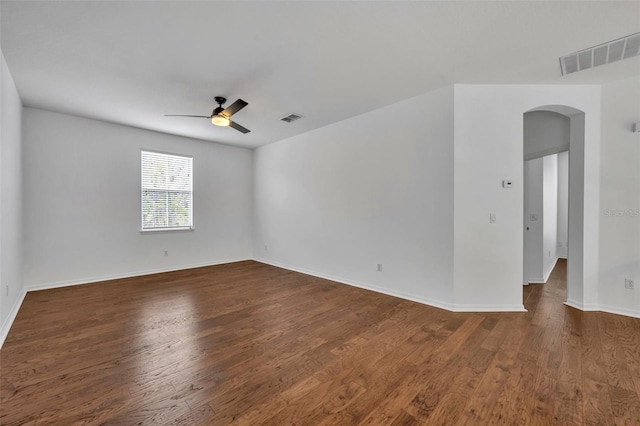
167, 191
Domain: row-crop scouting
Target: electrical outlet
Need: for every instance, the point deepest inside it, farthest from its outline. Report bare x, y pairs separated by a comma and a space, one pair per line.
166, 253
629, 284
379, 267
265, 247
7, 290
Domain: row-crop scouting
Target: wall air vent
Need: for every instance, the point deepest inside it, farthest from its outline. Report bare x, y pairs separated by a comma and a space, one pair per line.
602, 54
291, 117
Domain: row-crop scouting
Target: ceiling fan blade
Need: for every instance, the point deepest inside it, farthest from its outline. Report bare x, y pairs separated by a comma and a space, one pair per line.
238, 127
234, 107
182, 115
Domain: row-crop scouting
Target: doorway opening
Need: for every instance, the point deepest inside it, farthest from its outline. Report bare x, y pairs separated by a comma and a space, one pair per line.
553, 176
546, 215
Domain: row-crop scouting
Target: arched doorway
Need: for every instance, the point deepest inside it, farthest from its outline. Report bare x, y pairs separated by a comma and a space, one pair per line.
574, 143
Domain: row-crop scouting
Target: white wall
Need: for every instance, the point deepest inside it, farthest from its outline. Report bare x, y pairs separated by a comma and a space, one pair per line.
339, 200
373, 189
583, 228
488, 261
545, 133
533, 221
540, 217
82, 202
563, 204
11, 285
620, 197
550, 214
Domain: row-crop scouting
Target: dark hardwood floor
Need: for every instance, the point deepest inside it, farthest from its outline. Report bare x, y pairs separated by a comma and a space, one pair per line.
250, 344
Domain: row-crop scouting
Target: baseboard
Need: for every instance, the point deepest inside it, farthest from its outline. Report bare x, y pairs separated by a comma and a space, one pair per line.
8, 322
488, 308
634, 313
366, 286
425, 301
547, 274
90, 280
575, 304
550, 270
587, 307
6, 326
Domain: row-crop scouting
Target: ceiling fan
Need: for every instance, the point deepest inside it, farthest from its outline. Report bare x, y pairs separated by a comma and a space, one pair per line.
221, 116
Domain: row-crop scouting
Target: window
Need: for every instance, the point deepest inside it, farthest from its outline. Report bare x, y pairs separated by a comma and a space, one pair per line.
167, 195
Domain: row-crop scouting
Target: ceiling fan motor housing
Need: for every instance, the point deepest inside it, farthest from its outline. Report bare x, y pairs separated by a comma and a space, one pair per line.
220, 101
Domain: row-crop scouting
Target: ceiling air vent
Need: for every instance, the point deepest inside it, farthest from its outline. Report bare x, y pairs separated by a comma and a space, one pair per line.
291, 117
602, 54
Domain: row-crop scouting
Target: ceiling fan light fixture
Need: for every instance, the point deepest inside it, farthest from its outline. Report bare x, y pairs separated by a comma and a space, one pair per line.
220, 116
220, 120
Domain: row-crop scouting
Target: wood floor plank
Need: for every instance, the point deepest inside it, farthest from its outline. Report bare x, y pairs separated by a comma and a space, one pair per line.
250, 344
569, 403
479, 409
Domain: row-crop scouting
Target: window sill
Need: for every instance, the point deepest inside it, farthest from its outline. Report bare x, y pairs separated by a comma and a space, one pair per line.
156, 230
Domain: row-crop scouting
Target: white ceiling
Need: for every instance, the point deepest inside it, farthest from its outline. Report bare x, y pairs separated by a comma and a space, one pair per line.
130, 62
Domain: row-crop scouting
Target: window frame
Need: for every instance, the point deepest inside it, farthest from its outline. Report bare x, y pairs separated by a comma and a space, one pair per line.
167, 192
